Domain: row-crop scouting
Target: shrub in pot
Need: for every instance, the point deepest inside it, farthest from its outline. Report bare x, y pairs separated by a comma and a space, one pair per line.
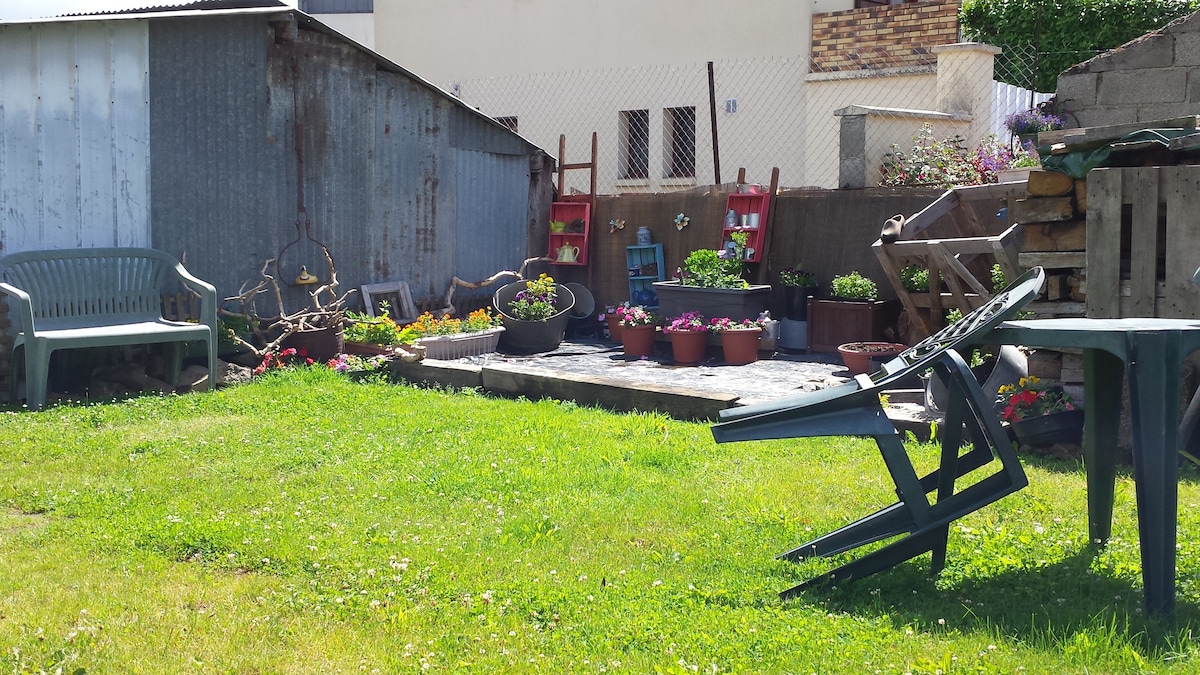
853, 314
712, 284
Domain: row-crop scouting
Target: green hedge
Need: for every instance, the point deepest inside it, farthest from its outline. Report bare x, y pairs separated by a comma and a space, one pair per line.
1071, 31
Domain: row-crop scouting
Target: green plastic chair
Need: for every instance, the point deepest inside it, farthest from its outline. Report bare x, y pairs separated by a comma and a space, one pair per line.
854, 409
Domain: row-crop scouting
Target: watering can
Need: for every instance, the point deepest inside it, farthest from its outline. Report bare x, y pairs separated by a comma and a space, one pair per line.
568, 253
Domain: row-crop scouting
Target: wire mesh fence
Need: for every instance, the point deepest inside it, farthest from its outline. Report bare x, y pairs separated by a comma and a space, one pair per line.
663, 128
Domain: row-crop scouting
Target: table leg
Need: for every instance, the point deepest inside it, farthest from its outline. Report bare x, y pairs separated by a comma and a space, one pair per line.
1154, 411
1102, 376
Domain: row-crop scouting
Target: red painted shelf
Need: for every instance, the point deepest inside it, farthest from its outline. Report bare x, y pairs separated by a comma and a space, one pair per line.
744, 205
569, 212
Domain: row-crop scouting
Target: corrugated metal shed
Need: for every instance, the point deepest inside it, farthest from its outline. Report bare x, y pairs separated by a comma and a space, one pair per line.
401, 180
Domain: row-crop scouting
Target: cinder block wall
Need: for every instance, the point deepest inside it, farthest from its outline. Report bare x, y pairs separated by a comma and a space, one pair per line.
1154, 77
893, 36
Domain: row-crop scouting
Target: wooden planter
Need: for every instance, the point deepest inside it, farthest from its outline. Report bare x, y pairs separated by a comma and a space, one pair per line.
736, 303
836, 322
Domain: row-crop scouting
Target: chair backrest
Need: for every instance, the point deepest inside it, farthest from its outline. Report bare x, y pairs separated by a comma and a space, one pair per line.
916, 359
72, 285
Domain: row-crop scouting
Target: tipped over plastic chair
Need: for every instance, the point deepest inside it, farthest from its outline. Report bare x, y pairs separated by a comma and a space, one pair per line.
854, 409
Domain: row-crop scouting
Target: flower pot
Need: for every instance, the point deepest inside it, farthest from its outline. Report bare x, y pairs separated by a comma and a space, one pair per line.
460, 345
688, 347
735, 303
860, 357
320, 344
1046, 430
796, 301
638, 341
740, 346
614, 328
525, 337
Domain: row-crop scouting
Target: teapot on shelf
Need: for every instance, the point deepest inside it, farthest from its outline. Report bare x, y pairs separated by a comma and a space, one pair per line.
568, 253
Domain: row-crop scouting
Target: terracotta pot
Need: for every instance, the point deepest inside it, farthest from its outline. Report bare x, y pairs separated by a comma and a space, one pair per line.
688, 347
614, 328
1046, 430
740, 346
859, 356
637, 341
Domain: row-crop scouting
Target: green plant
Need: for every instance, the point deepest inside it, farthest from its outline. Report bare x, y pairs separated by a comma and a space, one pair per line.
378, 330
636, 315
915, 278
707, 269
686, 322
724, 323
427, 325
536, 301
1060, 35
795, 277
1032, 121
999, 282
853, 286
231, 328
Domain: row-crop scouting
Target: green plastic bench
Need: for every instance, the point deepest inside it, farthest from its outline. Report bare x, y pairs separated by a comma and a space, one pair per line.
97, 297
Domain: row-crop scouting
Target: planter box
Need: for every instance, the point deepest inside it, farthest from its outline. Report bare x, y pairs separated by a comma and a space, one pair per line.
461, 345
836, 322
735, 303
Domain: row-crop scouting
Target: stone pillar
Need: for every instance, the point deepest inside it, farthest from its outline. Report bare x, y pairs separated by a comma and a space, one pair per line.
852, 148
965, 84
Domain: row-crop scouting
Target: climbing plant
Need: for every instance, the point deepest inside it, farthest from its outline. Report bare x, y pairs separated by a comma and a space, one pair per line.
1057, 34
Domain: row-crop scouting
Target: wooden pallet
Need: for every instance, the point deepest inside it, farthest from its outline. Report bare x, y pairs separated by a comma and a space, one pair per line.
1157, 207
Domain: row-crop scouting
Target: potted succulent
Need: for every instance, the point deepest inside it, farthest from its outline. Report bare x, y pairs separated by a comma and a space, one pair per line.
711, 283
798, 286
689, 337
637, 331
739, 338
854, 313
534, 314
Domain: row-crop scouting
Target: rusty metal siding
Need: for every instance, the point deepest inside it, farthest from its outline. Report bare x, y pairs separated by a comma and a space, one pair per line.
400, 182
74, 147
493, 195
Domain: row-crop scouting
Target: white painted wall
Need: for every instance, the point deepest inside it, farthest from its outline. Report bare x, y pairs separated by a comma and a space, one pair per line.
358, 26
459, 39
74, 135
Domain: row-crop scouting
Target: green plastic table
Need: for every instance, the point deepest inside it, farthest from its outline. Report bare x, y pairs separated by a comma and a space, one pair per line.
1150, 353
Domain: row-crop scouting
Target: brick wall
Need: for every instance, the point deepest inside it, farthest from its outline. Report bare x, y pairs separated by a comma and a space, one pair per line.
873, 38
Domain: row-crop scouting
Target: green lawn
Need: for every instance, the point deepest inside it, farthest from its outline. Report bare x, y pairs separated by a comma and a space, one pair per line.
308, 524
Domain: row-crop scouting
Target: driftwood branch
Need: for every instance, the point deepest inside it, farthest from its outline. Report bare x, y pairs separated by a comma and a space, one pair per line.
273, 331
455, 283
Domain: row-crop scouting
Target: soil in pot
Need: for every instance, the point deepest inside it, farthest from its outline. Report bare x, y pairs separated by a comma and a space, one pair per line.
860, 357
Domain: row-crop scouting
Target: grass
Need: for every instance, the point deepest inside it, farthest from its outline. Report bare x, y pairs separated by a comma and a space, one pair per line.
305, 523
